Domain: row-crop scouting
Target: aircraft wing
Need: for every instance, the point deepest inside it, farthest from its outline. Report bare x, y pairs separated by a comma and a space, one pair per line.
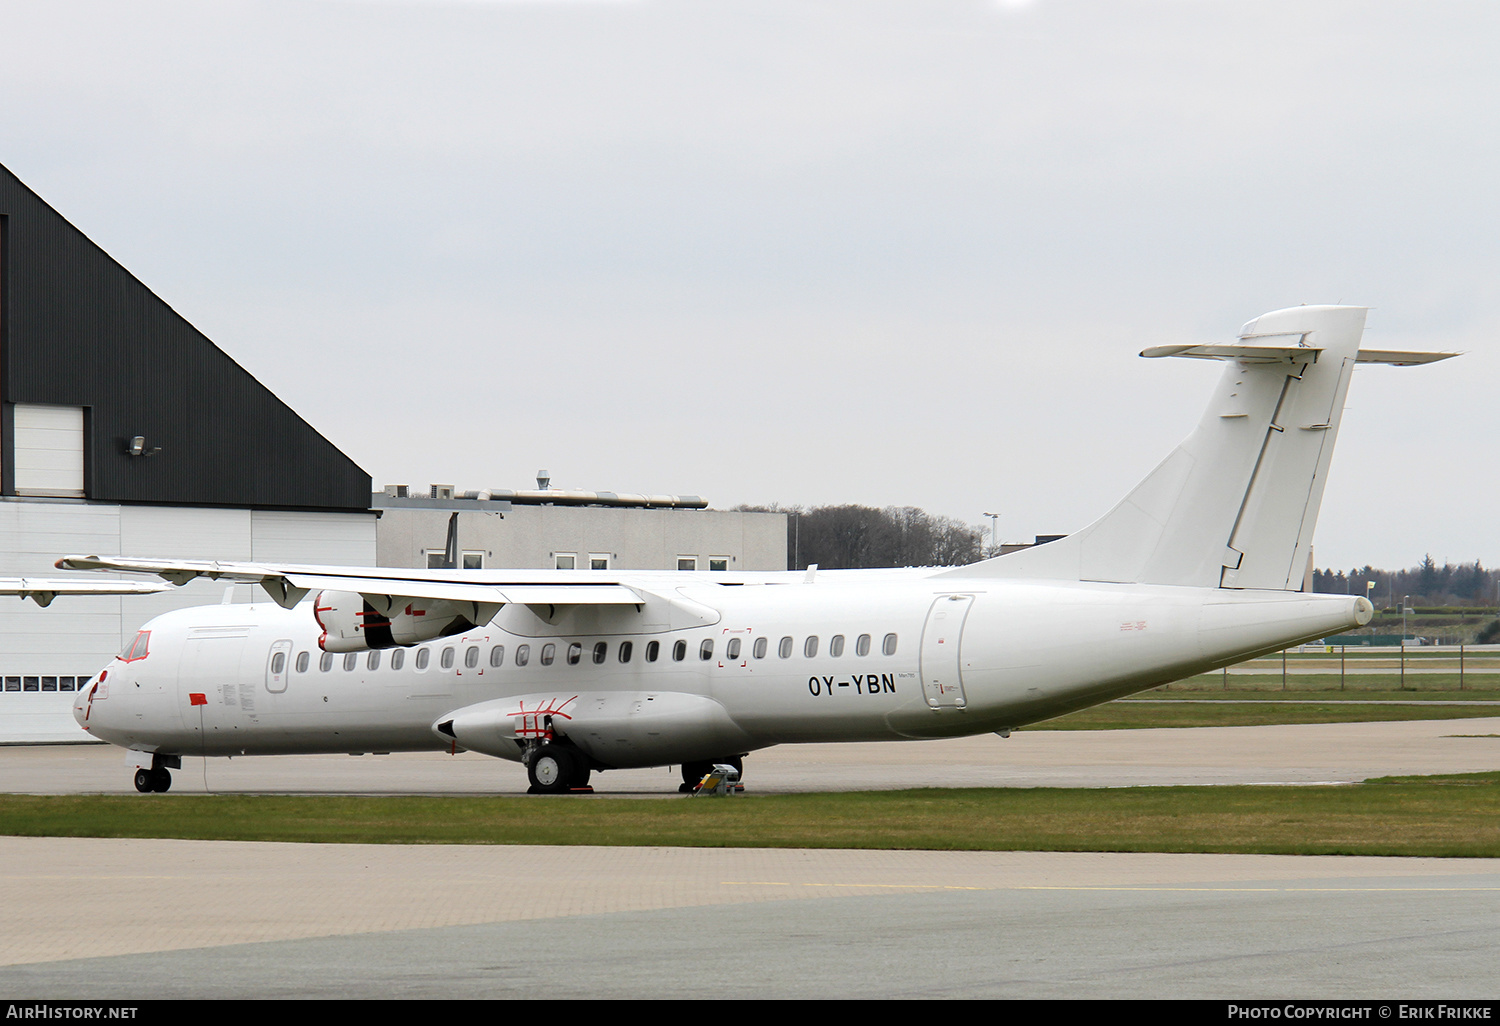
287, 585
43, 590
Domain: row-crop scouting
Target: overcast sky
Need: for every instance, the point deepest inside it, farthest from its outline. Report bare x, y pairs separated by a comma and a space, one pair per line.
874, 251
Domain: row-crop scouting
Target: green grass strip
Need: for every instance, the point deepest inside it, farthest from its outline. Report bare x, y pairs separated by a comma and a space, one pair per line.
1245, 711
1433, 816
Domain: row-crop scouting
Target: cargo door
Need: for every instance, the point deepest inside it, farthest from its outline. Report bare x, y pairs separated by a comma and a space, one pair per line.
942, 681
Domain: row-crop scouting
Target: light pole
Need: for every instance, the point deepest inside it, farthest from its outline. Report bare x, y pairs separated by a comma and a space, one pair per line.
994, 533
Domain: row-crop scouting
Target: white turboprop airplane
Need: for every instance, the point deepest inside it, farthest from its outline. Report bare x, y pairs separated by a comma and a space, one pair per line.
568, 672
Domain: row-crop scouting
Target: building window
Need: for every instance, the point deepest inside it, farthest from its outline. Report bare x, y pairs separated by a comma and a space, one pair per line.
598, 560
566, 560
687, 562
468, 560
718, 562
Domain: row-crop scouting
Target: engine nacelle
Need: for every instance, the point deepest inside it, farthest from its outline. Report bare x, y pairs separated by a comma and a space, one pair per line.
353, 622
618, 729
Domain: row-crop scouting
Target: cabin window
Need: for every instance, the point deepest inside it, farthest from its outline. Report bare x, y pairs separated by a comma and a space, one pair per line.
446, 660
601, 649
398, 657
810, 646
653, 649
575, 653
862, 645
625, 650
836, 645
303, 662
351, 661
760, 647
706, 650
679, 651
424, 655
497, 655
373, 662
732, 650
523, 655
889, 646
784, 648
471, 657
278, 662
549, 654
325, 662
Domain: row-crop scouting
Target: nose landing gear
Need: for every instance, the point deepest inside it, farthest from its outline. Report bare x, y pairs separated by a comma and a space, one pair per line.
154, 778
148, 780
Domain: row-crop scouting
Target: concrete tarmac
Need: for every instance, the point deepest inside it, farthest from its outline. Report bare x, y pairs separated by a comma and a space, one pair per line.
1296, 754
128, 919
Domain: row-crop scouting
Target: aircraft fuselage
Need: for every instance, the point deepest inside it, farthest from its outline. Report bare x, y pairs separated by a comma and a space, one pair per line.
851, 657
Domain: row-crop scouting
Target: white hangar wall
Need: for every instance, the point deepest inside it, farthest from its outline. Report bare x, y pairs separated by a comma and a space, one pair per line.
46, 654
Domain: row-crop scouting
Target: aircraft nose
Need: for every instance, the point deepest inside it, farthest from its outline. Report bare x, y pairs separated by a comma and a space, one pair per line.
84, 703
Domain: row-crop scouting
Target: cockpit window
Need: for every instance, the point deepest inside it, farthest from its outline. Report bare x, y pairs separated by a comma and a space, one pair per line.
137, 649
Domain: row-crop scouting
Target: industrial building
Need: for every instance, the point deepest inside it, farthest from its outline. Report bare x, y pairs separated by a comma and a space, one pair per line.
125, 430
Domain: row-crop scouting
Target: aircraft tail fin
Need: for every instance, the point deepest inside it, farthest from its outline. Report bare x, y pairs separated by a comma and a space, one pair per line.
1235, 504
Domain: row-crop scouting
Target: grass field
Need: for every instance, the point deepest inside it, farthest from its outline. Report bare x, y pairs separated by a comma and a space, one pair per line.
1240, 711
1436, 816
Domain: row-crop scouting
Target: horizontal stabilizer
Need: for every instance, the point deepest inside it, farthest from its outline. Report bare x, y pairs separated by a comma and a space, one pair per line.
1292, 354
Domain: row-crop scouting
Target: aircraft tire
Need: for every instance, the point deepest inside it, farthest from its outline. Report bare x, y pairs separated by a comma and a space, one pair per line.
145, 781
692, 772
161, 781
552, 770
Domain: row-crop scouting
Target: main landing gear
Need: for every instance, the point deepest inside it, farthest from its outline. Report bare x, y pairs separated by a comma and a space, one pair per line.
693, 772
156, 777
557, 769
